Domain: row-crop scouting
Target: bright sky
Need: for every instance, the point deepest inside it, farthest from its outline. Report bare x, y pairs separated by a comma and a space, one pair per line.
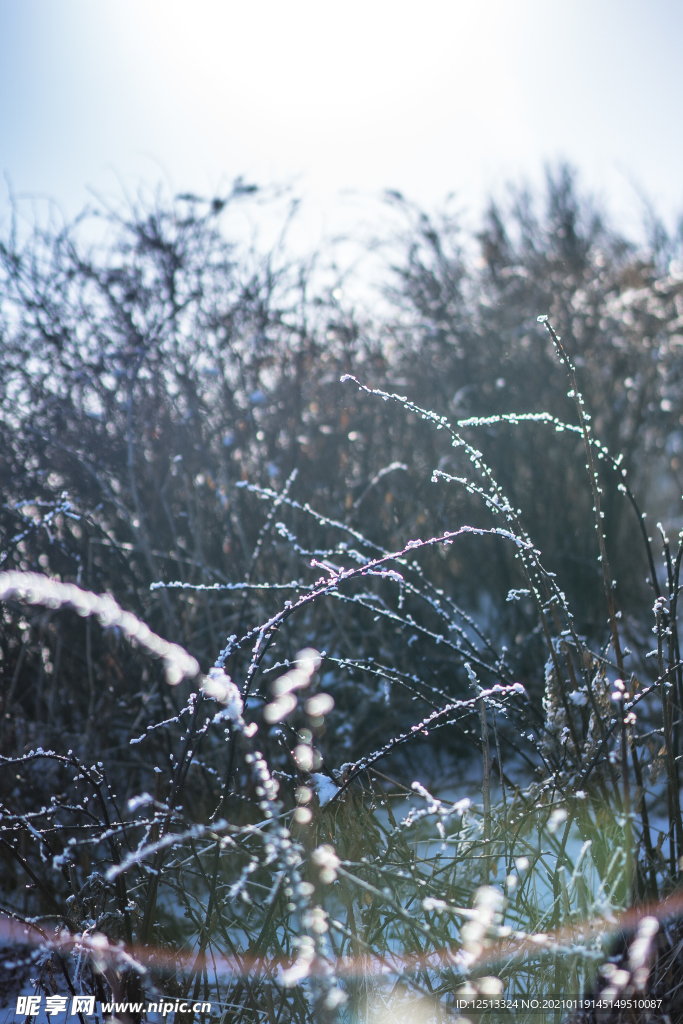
427, 98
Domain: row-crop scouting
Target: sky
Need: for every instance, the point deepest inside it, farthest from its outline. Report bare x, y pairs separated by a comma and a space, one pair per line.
341, 101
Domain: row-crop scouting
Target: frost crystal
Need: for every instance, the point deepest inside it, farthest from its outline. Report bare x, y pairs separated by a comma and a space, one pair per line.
220, 686
325, 788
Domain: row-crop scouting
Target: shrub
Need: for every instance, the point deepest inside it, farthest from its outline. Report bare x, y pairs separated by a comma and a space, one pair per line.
465, 338
232, 863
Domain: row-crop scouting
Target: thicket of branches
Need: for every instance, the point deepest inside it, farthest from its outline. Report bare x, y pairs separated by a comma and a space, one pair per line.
172, 414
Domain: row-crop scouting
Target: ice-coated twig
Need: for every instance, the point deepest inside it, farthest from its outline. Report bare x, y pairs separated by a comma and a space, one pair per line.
33, 588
